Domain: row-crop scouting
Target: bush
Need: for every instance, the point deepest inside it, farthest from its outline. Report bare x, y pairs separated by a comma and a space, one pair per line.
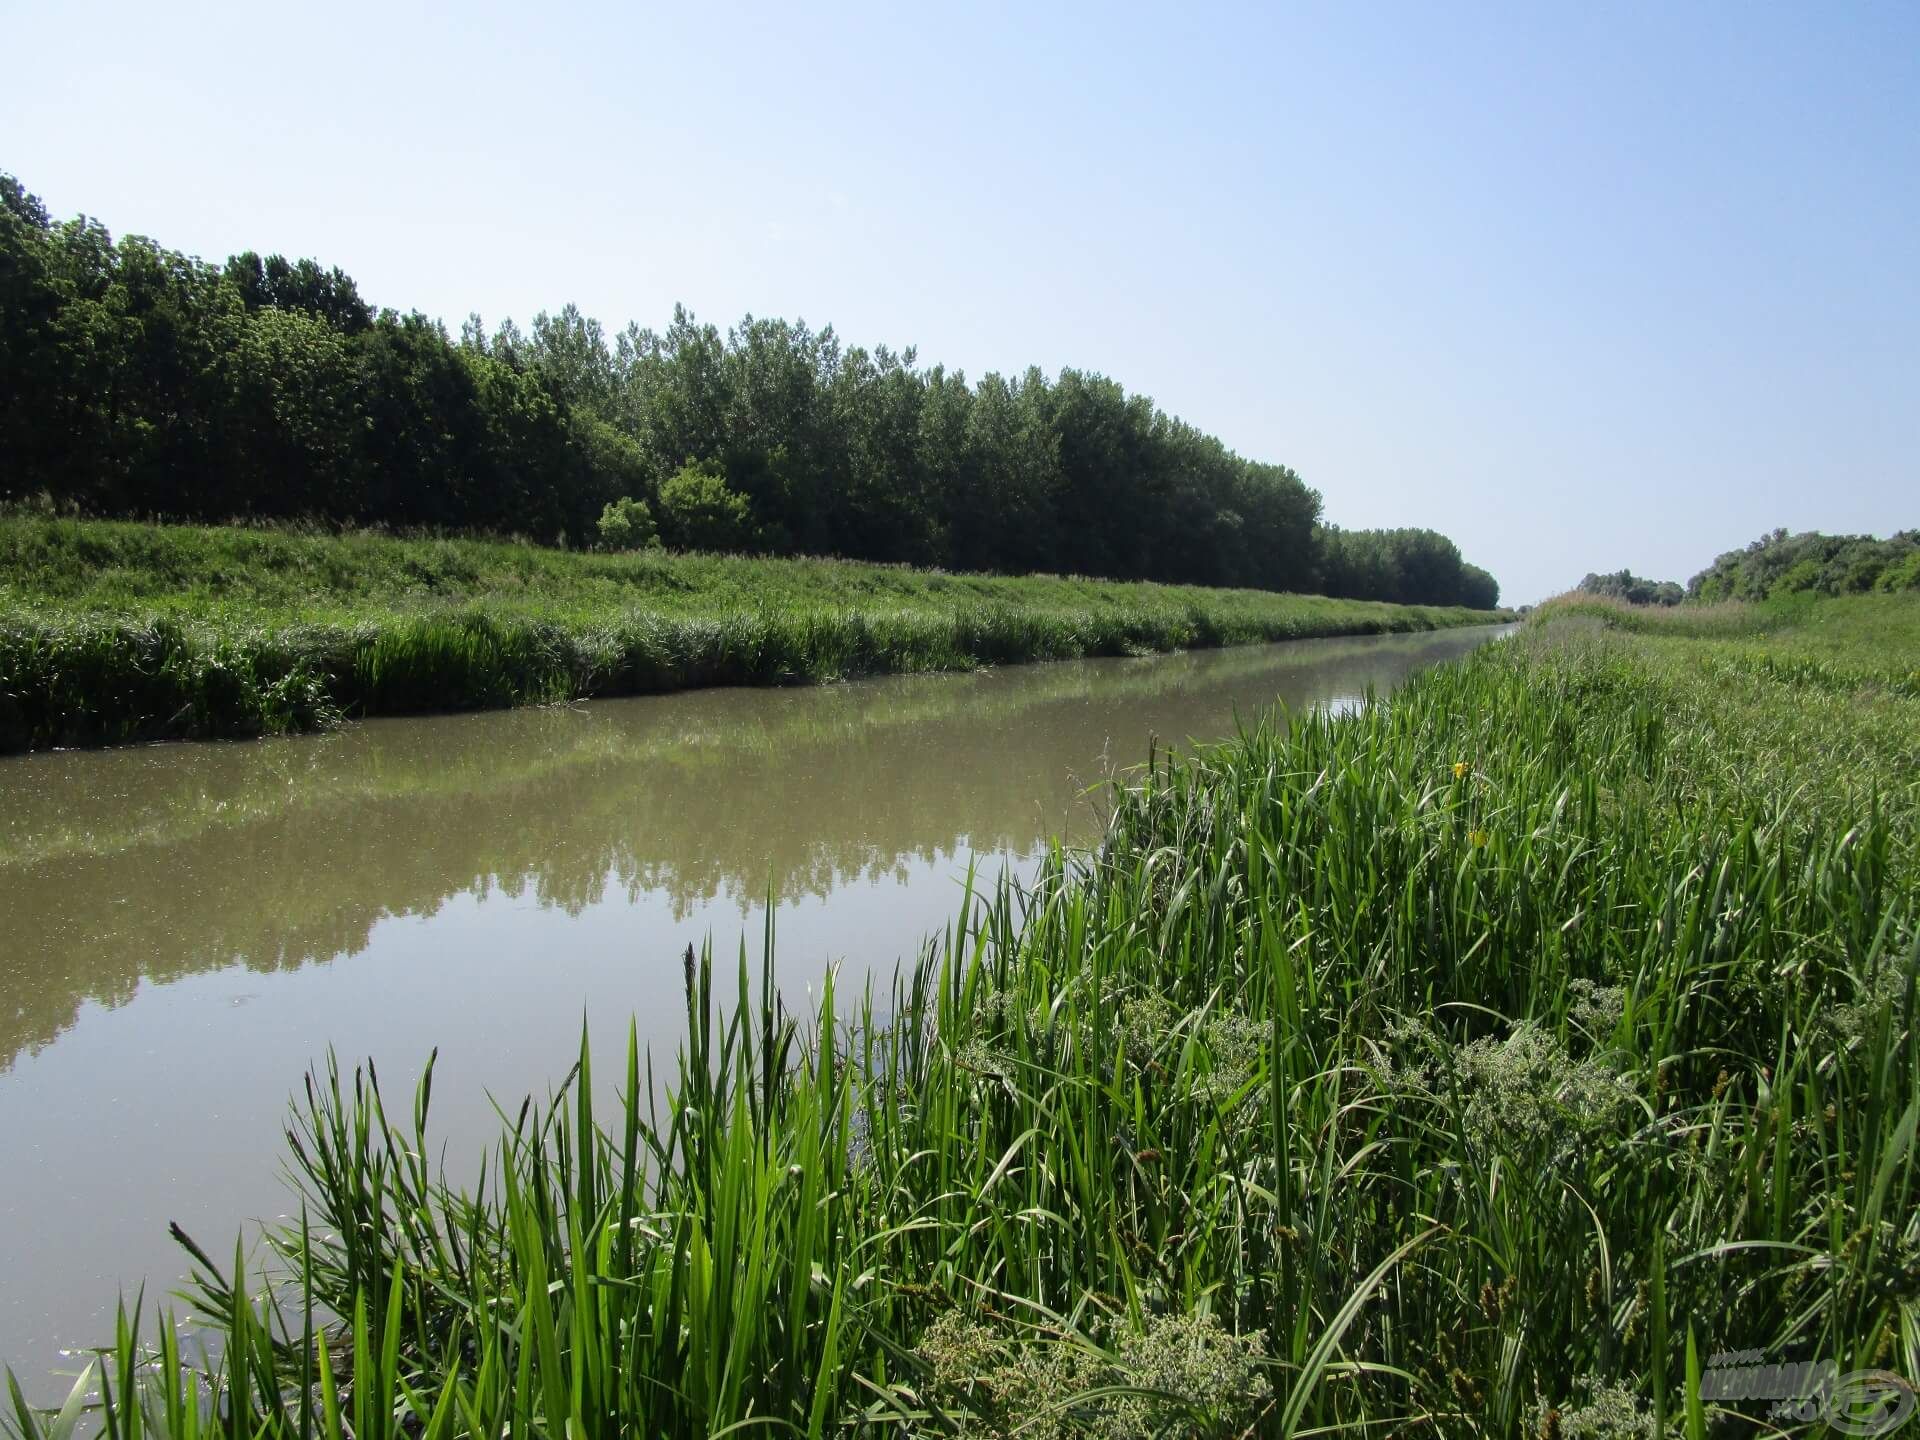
1904, 575
701, 513
627, 524
1632, 588
1780, 563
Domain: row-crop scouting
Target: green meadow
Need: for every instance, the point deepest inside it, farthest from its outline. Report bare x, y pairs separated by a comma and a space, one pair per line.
116, 631
1476, 1063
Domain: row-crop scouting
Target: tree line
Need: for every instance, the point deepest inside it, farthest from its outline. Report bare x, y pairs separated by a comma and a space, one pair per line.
142, 382
1632, 588
1781, 563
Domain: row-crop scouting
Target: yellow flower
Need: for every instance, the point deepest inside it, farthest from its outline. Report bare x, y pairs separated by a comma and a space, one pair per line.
1459, 768
1478, 837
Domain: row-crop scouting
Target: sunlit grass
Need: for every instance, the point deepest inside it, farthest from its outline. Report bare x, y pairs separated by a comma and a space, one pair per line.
113, 631
1470, 1063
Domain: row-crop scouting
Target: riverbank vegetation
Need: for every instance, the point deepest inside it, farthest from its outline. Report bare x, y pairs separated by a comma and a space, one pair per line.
139, 382
1810, 563
1859, 647
118, 631
1779, 565
1633, 589
1475, 1063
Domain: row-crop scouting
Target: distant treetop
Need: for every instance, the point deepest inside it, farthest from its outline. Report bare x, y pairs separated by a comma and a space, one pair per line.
1627, 586
1784, 564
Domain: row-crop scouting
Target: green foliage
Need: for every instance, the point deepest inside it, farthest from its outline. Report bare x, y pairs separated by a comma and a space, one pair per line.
112, 631
701, 513
1444, 1065
1811, 563
1627, 586
1901, 575
1400, 565
627, 524
135, 381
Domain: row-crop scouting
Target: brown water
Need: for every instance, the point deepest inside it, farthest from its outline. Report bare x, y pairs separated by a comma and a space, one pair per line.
183, 928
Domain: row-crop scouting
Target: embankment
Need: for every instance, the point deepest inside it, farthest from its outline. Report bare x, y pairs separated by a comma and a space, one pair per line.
113, 632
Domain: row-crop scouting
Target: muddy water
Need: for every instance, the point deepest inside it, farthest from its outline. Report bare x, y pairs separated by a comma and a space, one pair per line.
183, 929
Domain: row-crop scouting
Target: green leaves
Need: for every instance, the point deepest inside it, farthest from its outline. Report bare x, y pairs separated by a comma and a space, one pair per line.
62, 1424
699, 511
136, 380
627, 524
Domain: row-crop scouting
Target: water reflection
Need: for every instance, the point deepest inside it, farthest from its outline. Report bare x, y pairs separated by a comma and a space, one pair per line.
183, 927
170, 860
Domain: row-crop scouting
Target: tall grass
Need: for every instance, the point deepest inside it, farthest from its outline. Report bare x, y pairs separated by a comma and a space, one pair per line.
1818, 642
1473, 1063
114, 632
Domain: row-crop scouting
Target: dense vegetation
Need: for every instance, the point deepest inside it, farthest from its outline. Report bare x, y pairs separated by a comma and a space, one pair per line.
114, 631
1627, 586
1780, 564
1811, 563
1471, 1064
138, 382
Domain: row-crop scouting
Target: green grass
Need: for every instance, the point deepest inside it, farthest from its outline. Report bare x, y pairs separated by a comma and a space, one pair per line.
1852, 647
1474, 1064
114, 632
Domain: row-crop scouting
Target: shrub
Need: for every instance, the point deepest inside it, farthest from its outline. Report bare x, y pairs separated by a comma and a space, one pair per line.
700, 512
1904, 575
627, 524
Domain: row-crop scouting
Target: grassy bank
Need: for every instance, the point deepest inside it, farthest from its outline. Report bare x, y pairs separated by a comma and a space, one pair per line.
1478, 1063
112, 632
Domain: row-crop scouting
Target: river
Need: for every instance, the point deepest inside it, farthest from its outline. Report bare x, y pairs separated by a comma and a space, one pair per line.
185, 928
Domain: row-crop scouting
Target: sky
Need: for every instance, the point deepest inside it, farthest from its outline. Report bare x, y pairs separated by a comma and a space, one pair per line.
1582, 286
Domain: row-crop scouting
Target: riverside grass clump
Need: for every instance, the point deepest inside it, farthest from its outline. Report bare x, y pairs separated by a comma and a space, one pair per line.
113, 632
1476, 1063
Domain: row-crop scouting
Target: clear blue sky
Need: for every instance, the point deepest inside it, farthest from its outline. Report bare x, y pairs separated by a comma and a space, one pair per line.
1583, 286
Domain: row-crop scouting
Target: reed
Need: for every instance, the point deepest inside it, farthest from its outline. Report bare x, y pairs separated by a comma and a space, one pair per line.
1473, 1063
113, 632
